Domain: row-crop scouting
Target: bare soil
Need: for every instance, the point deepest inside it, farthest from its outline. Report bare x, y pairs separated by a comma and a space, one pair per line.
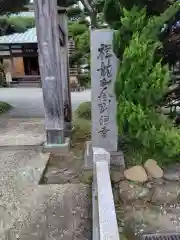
67, 169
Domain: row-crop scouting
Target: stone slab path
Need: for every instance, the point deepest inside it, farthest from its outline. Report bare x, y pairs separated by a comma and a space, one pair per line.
21, 171
21, 132
29, 210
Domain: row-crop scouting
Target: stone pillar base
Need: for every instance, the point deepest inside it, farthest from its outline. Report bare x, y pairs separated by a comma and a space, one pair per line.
58, 149
68, 129
116, 159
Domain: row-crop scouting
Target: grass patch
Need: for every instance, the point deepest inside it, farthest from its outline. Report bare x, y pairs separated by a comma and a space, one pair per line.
4, 107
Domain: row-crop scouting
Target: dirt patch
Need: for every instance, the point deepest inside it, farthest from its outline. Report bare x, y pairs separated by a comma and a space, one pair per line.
70, 168
67, 169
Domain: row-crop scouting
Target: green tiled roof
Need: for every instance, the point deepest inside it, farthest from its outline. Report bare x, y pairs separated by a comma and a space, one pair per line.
27, 37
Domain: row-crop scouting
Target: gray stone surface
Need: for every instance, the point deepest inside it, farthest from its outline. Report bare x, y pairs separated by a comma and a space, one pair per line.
58, 149
21, 132
28, 102
31, 211
88, 155
20, 173
28, 210
130, 192
108, 228
172, 173
150, 219
53, 212
116, 158
166, 194
104, 128
117, 175
100, 155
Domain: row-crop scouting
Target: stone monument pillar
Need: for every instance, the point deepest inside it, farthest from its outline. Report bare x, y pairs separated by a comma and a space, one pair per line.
103, 76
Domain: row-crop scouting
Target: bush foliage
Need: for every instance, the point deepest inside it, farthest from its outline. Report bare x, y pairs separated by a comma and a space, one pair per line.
84, 110
84, 80
81, 130
141, 84
4, 107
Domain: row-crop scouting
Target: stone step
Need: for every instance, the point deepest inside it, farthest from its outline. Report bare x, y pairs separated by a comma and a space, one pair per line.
29, 210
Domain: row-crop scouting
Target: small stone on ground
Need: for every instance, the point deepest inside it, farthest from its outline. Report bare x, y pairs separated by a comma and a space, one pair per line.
136, 173
153, 169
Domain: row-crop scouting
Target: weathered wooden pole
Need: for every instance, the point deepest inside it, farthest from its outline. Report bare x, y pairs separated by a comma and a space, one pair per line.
63, 23
50, 68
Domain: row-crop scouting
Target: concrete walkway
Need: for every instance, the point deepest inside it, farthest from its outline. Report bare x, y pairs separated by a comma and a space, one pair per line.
28, 102
29, 210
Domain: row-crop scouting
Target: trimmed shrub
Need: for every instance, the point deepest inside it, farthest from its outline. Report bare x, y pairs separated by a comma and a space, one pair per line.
4, 107
84, 110
81, 130
140, 86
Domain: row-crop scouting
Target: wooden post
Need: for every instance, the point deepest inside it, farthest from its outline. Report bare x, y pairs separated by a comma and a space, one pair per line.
50, 68
12, 61
63, 22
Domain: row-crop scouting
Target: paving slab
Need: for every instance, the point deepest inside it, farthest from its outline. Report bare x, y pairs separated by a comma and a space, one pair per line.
20, 174
57, 212
29, 210
32, 211
22, 132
